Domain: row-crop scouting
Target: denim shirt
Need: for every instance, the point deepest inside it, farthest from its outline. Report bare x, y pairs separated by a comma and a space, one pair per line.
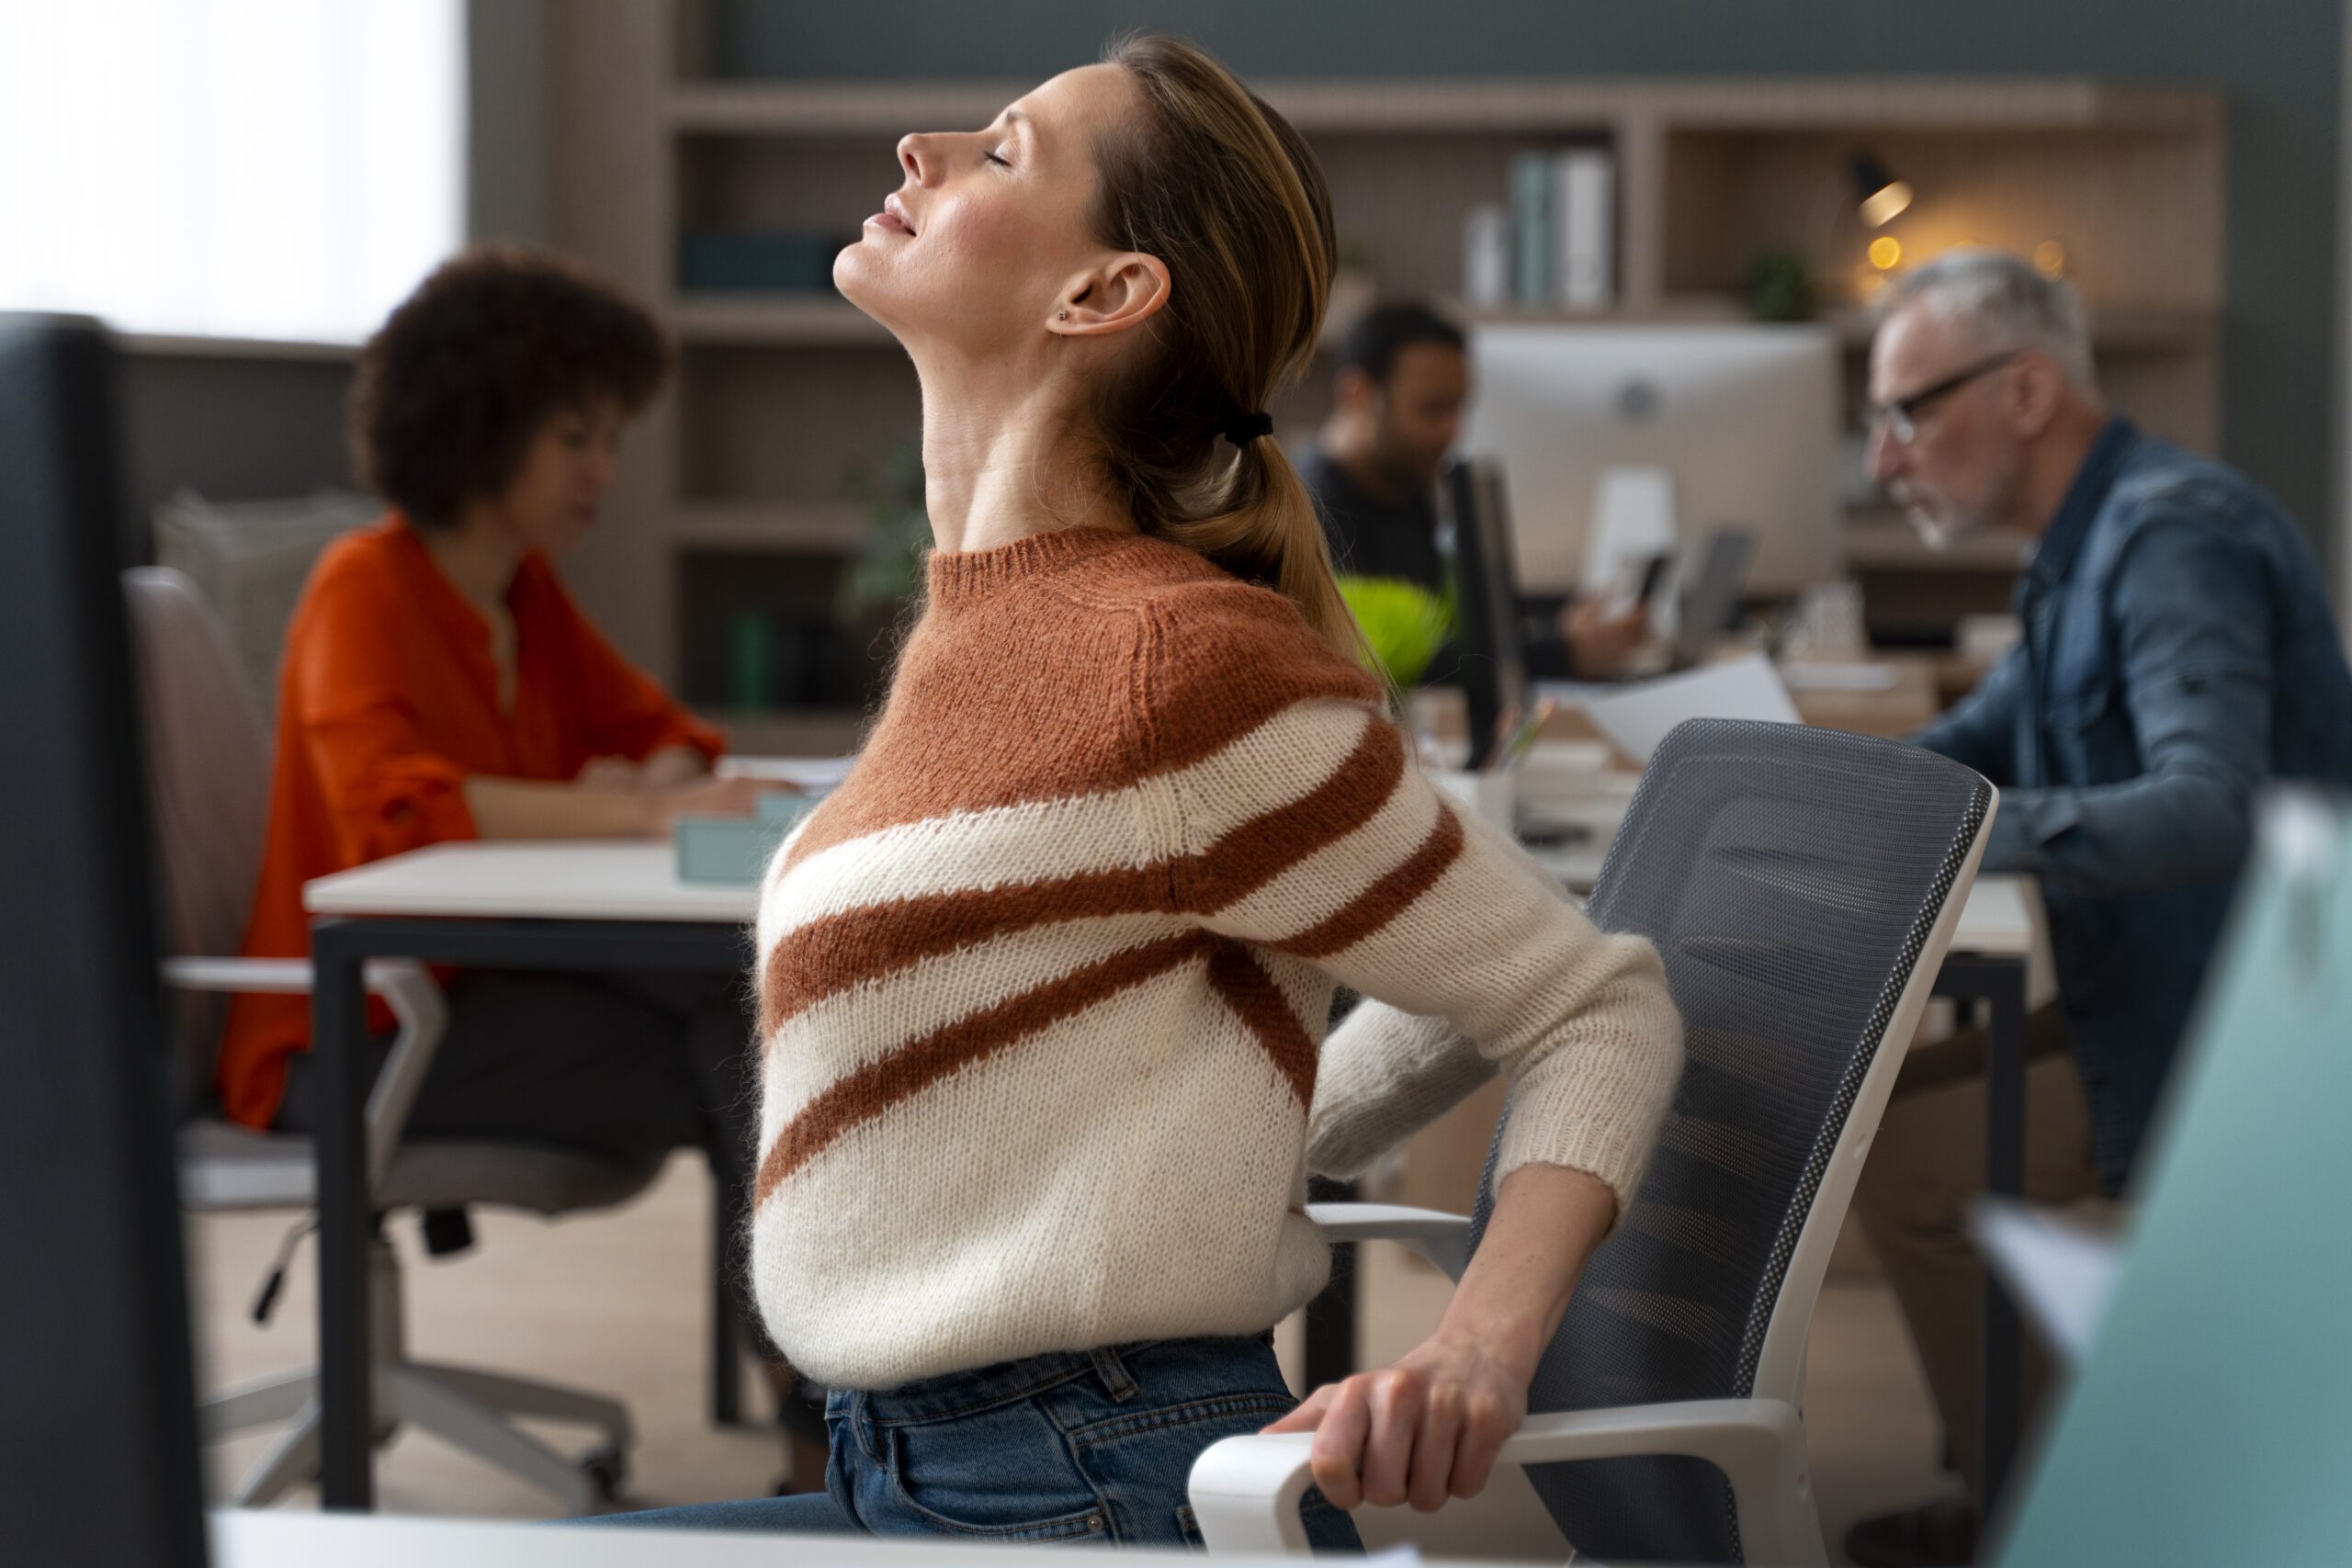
2178, 652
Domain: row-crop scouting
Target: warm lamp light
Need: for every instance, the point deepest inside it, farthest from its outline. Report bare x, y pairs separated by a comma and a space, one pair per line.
1886, 253
1880, 196
2050, 260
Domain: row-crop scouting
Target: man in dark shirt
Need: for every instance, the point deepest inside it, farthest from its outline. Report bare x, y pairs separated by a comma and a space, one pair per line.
1397, 402
2178, 655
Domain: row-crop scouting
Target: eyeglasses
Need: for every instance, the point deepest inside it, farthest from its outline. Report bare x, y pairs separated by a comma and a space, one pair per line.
1899, 417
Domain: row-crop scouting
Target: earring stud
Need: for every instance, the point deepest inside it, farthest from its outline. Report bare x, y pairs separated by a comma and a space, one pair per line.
1065, 315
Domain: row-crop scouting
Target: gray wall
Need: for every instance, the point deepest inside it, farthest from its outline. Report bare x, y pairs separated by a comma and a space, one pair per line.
229, 426
2277, 63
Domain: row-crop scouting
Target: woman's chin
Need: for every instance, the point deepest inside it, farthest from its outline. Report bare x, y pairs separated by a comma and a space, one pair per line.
854, 278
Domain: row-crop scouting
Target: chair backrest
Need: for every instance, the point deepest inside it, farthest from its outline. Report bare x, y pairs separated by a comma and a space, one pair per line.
1792, 880
208, 762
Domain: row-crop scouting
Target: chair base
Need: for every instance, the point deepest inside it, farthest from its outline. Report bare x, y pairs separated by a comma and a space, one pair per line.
468, 1408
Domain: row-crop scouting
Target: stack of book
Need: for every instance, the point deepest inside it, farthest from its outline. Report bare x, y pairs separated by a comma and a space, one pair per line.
1554, 246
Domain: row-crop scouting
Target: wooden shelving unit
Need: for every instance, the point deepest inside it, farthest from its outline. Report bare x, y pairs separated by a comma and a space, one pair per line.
778, 396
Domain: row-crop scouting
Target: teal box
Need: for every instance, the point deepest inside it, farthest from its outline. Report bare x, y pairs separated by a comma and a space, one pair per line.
736, 850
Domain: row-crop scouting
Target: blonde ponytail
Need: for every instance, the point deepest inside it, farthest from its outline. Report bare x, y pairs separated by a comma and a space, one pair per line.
1275, 537
1227, 194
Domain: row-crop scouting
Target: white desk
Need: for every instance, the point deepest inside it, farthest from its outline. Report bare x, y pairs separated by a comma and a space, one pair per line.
270, 1539
637, 882
523, 881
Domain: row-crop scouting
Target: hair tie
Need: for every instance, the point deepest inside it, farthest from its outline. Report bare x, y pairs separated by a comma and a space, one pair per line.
1246, 428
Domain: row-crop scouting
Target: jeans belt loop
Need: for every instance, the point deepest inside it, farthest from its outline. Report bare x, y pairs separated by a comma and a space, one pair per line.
1114, 1373
861, 1422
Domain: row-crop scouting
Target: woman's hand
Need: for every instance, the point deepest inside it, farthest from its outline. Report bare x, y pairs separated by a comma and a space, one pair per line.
1601, 637
1431, 1427
1421, 1431
702, 797
610, 774
671, 766
666, 769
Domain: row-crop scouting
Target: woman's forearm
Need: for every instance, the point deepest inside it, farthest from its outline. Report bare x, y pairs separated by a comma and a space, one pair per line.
1547, 1220
521, 808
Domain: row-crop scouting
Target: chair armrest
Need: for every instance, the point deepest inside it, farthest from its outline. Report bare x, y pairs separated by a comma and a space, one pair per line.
281, 976
386, 977
1245, 1492
1442, 1238
407, 987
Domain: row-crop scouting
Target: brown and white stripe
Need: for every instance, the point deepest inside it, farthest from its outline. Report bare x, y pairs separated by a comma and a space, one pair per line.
1042, 987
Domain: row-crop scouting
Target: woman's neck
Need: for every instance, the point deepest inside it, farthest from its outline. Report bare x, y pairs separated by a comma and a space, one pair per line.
480, 556
999, 465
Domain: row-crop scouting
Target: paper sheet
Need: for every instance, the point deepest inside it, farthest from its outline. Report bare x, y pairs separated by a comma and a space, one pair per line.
2061, 1274
1636, 716
805, 773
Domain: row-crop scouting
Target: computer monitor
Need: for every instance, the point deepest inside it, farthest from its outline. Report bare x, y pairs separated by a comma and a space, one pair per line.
1491, 667
1744, 418
97, 1413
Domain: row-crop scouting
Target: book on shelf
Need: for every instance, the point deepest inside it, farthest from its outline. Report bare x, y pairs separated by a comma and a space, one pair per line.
1585, 216
1533, 185
1487, 257
1562, 241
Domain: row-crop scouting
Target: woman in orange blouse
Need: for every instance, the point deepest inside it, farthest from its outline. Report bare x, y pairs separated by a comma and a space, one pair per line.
439, 683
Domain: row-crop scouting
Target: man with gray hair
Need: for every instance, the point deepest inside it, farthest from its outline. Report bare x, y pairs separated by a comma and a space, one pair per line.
2178, 654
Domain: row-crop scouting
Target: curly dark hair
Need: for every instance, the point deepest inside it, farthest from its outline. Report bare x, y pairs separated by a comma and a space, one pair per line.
464, 372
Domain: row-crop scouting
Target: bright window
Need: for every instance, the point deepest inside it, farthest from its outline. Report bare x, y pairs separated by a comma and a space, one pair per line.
271, 169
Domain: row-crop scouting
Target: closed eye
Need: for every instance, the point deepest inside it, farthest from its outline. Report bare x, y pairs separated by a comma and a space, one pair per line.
997, 160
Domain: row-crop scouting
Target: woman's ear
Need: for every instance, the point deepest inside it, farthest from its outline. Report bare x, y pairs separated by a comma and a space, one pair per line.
1123, 291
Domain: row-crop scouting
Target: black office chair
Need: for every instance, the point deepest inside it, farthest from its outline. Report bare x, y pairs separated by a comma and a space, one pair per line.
1800, 886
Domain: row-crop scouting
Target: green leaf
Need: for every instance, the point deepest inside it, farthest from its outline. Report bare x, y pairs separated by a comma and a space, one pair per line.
1405, 624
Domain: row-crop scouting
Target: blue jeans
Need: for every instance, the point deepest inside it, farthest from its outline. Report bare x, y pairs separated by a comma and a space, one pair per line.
1088, 1446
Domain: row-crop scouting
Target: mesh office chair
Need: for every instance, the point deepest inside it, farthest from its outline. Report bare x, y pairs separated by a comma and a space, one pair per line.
1802, 886
209, 796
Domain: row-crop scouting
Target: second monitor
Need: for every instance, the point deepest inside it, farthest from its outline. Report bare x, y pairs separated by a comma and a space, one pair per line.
1744, 418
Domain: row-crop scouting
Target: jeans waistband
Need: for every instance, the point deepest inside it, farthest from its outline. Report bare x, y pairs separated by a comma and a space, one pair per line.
951, 1394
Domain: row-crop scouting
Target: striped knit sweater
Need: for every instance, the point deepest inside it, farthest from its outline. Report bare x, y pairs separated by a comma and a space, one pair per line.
1044, 983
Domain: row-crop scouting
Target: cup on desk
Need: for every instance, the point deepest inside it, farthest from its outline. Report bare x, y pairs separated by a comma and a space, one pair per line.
1491, 796
1830, 620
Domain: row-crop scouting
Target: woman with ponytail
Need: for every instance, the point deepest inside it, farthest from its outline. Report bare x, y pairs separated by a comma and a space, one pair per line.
1043, 986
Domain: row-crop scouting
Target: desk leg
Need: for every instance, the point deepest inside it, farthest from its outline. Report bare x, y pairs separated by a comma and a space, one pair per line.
338, 1027
726, 1276
2005, 1177
1330, 1321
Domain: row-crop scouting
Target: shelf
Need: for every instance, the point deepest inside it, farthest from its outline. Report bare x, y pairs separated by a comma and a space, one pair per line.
1879, 540
820, 320
2143, 329
837, 108
768, 528
1535, 106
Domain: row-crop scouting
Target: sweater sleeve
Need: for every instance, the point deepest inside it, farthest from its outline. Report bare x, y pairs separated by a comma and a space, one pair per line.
1382, 1076
1302, 827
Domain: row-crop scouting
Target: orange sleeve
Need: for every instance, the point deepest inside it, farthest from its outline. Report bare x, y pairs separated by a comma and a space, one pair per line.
625, 713
386, 789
